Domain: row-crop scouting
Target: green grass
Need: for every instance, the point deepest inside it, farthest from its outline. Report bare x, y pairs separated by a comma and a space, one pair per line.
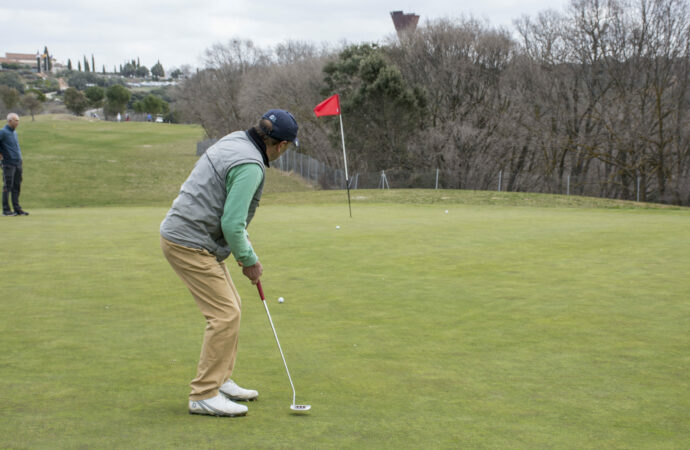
70, 161
512, 321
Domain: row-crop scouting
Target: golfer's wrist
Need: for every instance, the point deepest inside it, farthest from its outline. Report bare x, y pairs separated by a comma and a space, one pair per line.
248, 261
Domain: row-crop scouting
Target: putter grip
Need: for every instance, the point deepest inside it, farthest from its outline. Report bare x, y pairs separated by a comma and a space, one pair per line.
261, 291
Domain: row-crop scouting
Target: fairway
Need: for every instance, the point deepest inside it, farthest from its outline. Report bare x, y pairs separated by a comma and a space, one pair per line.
409, 327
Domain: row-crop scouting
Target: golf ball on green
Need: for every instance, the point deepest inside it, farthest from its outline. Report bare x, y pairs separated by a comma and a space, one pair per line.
281, 300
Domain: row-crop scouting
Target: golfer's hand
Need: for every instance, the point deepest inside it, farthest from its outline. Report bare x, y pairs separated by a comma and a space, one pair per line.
253, 272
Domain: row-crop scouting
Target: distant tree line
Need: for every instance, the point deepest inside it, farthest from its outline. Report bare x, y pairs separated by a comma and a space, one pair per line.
595, 96
22, 91
132, 68
90, 90
117, 99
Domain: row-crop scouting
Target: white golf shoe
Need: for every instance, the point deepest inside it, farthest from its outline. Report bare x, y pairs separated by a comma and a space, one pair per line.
234, 392
219, 405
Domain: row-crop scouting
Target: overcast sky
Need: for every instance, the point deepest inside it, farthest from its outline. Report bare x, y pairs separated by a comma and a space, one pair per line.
177, 32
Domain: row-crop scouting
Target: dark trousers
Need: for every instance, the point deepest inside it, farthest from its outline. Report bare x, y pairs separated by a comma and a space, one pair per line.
12, 179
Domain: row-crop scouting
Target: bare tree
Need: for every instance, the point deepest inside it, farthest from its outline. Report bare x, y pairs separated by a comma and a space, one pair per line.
459, 66
647, 118
212, 96
293, 81
595, 96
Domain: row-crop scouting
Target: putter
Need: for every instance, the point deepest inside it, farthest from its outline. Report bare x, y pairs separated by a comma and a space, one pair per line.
294, 407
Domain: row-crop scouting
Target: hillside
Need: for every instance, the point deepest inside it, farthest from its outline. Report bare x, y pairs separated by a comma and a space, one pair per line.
77, 162
74, 162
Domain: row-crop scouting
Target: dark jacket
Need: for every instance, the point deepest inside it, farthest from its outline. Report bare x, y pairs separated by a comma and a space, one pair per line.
9, 146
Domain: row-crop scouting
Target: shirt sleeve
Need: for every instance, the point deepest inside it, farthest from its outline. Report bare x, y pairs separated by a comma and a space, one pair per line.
241, 184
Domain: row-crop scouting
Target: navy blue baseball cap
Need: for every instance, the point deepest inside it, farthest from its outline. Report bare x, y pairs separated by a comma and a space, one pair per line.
284, 126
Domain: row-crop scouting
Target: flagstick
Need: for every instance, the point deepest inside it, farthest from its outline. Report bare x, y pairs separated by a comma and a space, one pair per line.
347, 178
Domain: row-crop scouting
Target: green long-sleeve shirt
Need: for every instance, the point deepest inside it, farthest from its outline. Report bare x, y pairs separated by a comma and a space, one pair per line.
241, 184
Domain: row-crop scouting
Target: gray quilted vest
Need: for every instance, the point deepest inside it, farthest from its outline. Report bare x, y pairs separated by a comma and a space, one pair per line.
194, 218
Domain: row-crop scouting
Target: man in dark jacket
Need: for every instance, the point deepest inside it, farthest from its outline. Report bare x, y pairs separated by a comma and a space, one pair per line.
11, 167
207, 223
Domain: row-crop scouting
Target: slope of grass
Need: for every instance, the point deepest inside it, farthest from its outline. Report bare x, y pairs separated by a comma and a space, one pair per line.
70, 161
407, 327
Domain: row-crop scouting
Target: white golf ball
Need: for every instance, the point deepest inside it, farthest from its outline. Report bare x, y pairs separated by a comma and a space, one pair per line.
281, 300
446, 211
337, 227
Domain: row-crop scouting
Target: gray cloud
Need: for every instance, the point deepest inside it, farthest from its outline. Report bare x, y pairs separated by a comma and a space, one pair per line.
177, 32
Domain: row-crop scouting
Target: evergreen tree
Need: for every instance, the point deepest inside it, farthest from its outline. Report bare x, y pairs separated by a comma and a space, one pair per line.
95, 95
38, 61
86, 65
157, 71
79, 65
69, 64
142, 72
128, 70
375, 97
76, 101
47, 65
93, 63
117, 97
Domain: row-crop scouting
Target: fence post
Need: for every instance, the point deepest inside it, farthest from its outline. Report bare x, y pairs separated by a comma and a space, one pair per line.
638, 189
437, 178
568, 184
500, 179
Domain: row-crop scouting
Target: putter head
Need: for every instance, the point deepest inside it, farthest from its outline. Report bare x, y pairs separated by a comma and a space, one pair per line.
300, 409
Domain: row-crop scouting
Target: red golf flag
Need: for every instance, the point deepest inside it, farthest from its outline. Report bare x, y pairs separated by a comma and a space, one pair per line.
328, 107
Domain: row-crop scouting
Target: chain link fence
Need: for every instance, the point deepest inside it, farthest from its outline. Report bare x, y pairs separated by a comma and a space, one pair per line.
315, 172
319, 174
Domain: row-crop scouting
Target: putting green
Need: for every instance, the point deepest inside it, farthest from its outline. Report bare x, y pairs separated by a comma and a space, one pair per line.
408, 327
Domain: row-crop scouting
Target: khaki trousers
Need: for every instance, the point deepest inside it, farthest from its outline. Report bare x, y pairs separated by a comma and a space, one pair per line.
211, 286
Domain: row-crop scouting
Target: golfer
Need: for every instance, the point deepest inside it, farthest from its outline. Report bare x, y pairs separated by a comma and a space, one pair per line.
207, 223
11, 167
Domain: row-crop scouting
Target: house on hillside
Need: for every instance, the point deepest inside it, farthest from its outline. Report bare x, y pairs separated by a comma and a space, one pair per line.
31, 60
28, 59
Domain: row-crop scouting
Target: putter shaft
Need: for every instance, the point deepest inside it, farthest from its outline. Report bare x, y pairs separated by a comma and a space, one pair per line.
263, 300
